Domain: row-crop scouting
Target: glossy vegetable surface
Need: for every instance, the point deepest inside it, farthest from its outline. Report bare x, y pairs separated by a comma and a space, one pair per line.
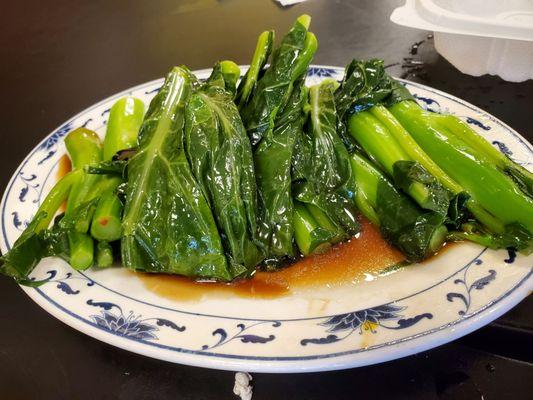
273, 89
168, 224
221, 160
416, 232
222, 176
322, 174
273, 118
125, 118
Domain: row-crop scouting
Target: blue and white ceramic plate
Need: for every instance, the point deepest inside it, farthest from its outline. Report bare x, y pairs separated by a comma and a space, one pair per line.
316, 329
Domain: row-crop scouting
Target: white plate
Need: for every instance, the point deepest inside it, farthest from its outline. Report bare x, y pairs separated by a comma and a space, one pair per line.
316, 329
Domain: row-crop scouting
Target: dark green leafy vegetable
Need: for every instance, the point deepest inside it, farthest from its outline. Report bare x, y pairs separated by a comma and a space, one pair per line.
322, 174
416, 232
168, 225
220, 156
497, 194
273, 117
221, 178
515, 236
365, 84
272, 91
272, 158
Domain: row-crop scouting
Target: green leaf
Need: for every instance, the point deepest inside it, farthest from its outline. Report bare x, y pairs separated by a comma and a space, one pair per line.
409, 173
273, 89
272, 159
415, 232
458, 211
26, 252
515, 236
220, 155
168, 225
322, 172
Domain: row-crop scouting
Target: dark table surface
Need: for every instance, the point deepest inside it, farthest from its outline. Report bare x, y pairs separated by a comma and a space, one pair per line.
59, 57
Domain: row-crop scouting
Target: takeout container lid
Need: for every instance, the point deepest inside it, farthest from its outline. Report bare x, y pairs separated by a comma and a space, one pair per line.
477, 36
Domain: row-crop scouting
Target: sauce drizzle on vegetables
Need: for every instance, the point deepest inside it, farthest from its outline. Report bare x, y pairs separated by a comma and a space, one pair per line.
347, 263
64, 167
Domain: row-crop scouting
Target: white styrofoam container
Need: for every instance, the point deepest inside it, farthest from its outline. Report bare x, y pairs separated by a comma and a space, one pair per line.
477, 36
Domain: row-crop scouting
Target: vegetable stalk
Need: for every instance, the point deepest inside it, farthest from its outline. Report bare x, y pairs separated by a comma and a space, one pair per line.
104, 254
125, 118
495, 192
308, 234
416, 232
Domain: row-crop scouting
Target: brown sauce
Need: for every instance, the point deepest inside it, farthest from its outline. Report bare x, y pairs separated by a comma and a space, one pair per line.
347, 263
64, 167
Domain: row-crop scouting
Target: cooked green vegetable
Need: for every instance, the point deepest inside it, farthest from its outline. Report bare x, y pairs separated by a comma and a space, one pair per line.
221, 177
167, 224
107, 218
272, 160
220, 156
522, 177
322, 174
104, 254
366, 84
81, 250
486, 184
80, 189
84, 148
230, 73
125, 118
409, 146
503, 202
273, 118
260, 58
32, 245
308, 234
418, 233
273, 89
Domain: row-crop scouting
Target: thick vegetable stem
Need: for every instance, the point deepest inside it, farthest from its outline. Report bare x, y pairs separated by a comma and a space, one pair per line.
382, 147
106, 223
488, 187
81, 250
104, 255
125, 118
308, 234
522, 177
416, 232
260, 58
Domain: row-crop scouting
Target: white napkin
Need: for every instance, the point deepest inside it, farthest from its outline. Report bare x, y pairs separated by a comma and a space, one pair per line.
286, 3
